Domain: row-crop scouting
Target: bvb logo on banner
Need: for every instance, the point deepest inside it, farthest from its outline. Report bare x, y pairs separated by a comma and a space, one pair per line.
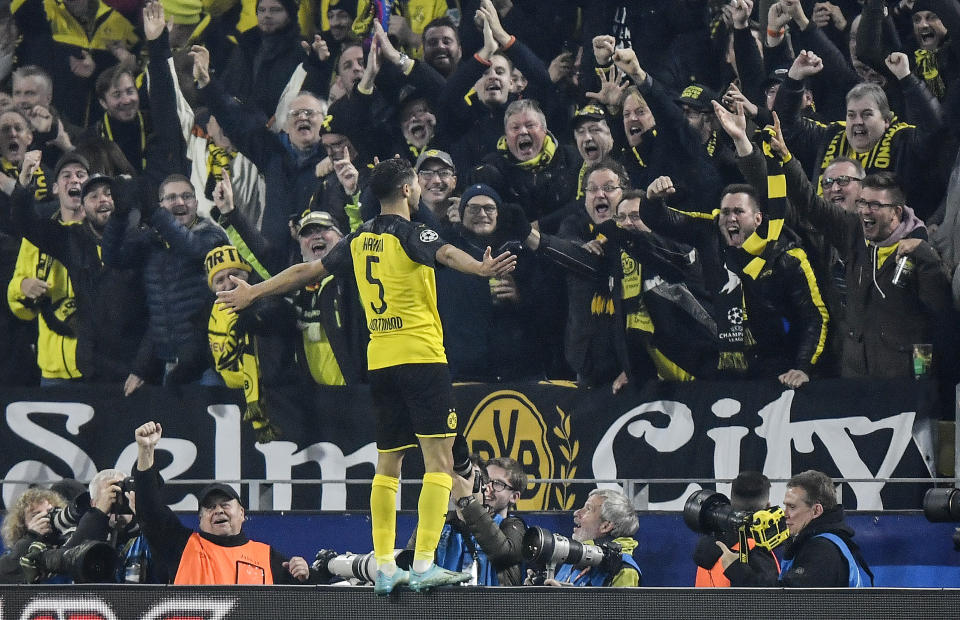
508, 423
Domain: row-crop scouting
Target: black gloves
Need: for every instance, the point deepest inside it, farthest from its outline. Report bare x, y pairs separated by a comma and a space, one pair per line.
512, 220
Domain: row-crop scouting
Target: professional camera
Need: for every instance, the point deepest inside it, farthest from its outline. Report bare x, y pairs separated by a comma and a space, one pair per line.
351, 565
122, 505
65, 519
943, 506
89, 562
540, 546
709, 512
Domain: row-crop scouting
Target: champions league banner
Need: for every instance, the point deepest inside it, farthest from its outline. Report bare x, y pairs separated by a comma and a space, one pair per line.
864, 430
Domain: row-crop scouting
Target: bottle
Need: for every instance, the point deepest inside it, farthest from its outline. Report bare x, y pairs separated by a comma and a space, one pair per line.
132, 573
904, 270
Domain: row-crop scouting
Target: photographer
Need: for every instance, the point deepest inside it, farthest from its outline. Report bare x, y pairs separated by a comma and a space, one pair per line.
821, 552
606, 517
28, 520
101, 518
481, 536
750, 493
111, 518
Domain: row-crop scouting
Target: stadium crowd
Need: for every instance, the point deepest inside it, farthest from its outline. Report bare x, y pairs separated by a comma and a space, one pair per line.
694, 189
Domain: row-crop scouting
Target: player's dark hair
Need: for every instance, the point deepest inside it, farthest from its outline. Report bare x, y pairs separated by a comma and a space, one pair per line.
389, 176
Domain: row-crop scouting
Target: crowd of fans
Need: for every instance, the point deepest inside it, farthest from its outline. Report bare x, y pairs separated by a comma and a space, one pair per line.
695, 189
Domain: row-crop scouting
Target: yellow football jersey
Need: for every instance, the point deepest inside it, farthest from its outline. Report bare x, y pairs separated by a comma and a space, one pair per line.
393, 262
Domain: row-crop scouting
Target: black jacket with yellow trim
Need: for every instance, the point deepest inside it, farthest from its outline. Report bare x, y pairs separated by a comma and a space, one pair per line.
785, 289
111, 307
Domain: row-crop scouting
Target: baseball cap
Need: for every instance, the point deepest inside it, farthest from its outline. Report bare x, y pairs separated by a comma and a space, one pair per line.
441, 156
697, 96
318, 218
71, 157
222, 489
589, 112
95, 180
777, 76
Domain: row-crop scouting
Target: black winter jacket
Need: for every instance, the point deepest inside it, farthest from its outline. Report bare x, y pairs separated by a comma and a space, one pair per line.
261, 66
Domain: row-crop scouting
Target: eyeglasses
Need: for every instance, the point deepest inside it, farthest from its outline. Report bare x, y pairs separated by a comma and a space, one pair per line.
304, 112
609, 187
841, 181
475, 209
634, 217
445, 174
499, 485
185, 196
873, 205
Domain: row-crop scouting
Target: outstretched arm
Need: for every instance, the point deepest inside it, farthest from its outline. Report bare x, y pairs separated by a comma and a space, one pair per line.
456, 258
290, 279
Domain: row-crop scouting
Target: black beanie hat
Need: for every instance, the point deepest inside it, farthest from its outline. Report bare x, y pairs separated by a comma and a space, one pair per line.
292, 7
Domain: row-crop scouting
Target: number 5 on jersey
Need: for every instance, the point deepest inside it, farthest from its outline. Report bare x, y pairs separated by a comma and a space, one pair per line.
382, 307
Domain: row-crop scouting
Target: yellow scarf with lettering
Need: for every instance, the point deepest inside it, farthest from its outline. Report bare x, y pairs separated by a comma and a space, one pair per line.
929, 71
218, 158
38, 179
235, 358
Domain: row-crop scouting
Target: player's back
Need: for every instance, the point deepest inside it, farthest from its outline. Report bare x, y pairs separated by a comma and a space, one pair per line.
393, 261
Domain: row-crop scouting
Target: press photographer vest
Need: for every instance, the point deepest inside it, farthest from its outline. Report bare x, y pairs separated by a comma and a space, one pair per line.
593, 576
858, 578
206, 563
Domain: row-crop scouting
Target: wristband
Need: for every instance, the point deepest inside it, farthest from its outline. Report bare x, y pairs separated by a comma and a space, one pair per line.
485, 63
777, 33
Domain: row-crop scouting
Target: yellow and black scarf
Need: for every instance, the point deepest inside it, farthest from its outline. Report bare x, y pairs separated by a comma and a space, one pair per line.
235, 356
38, 181
218, 159
540, 160
928, 70
880, 157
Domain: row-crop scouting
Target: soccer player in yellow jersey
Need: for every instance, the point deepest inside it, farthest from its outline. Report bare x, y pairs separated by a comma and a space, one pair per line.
393, 260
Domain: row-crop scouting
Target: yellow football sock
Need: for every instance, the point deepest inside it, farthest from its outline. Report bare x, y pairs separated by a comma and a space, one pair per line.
383, 517
431, 514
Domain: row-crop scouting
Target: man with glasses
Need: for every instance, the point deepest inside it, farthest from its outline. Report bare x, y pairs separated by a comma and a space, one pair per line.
481, 536
287, 160
169, 245
880, 320
438, 178
490, 327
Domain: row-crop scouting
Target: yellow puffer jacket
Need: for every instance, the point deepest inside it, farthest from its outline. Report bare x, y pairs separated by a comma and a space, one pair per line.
56, 353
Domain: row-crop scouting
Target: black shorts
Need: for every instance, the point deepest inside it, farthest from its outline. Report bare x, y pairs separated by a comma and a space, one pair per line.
411, 401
